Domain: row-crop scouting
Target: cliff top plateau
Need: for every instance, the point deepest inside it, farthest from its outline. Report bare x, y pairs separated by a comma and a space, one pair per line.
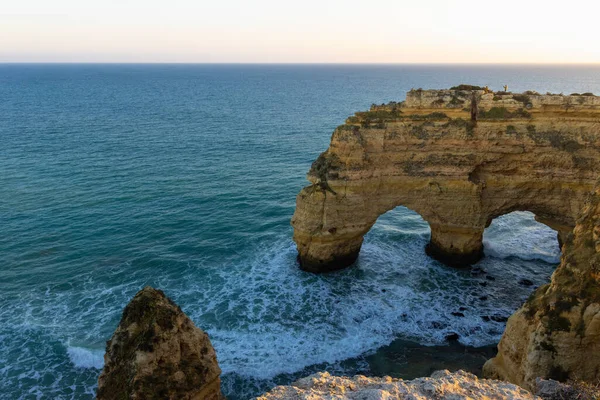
442, 385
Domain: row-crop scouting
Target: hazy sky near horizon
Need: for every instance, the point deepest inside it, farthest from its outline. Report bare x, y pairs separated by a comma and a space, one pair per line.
279, 31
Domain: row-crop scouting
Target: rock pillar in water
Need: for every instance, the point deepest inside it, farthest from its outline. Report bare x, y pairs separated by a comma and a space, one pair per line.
157, 352
455, 246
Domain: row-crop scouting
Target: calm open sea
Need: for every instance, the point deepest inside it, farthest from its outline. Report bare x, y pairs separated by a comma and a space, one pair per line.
184, 177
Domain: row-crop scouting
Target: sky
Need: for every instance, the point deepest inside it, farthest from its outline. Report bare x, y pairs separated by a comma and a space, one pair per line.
305, 31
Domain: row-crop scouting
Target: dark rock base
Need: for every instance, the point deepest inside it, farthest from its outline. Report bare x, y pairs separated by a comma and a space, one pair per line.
455, 260
321, 266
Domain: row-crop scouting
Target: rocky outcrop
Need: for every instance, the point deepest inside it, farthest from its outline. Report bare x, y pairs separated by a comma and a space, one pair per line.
156, 352
556, 334
456, 173
441, 385
549, 389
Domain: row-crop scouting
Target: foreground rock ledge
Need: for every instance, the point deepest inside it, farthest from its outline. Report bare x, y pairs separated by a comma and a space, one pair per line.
556, 334
441, 385
527, 152
156, 352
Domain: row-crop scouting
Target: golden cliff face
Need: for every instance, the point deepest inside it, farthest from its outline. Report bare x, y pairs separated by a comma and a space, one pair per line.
458, 174
556, 334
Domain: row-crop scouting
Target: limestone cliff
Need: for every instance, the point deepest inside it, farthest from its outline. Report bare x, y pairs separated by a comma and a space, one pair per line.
556, 334
441, 385
156, 352
460, 97
524, 152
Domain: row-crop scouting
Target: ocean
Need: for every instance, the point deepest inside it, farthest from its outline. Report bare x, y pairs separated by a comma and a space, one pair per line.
184, 177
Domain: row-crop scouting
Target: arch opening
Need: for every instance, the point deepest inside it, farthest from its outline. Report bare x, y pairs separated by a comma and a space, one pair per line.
396, 234
522, 235
400, 220
467, 306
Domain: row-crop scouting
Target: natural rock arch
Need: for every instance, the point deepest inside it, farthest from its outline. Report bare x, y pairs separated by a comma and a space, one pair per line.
457, 174
515, 229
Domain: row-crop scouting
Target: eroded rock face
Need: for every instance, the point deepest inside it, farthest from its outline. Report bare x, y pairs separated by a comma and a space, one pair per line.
556, 334
530, 100
156, 352
441, 385
457, 174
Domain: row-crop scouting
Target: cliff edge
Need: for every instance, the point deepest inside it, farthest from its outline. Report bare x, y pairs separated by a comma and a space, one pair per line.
443, 385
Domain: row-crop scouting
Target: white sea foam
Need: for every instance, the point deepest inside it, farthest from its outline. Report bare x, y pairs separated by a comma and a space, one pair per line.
274, 319
518, 235
265, 317
82, 357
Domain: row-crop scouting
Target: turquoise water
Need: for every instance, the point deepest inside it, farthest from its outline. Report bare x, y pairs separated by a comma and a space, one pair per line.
184, 177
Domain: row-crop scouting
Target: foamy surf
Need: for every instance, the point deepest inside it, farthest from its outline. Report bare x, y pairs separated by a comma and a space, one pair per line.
268, 320
288, 320
82, 357
518, 235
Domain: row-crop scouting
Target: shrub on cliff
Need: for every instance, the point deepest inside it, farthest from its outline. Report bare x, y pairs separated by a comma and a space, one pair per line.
428, 117
502, 113
455, 102
523, 98
466, 87
377, 116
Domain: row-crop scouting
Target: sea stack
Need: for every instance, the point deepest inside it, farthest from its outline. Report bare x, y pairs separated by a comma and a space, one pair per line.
157, 352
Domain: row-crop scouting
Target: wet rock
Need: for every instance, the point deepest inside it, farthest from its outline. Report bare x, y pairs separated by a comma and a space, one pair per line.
156, 352
452, 337
485, 318
525, 282
499, 318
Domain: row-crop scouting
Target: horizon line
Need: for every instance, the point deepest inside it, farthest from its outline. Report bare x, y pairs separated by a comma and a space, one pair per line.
299, 63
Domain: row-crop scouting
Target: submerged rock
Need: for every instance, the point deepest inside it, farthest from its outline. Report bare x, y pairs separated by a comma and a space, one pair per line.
441, 385
157, 352
525, 282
